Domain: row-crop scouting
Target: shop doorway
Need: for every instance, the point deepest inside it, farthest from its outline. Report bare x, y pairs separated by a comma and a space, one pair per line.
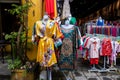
8, 22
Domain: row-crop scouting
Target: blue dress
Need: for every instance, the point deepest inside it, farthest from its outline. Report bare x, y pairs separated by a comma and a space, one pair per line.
100, 23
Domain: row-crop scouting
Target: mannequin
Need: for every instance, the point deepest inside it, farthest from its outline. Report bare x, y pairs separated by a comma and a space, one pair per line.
94, 46
115, 46
70, 44
100, 21
68, 51
47, 31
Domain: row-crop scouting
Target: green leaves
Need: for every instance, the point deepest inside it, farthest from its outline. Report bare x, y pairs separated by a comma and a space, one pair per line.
20, 10
12, 35
14, 65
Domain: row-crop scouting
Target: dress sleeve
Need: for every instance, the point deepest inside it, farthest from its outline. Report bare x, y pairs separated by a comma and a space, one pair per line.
78, 37
88, 44
58, 33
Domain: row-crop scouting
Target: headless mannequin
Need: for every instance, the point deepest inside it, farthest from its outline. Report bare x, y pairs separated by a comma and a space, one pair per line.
45, 74
34, 35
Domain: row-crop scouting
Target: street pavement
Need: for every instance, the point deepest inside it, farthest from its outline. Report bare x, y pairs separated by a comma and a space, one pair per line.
4, 72
81, 73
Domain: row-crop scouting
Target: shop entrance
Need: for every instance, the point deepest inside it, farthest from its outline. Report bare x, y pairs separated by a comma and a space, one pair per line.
8, 22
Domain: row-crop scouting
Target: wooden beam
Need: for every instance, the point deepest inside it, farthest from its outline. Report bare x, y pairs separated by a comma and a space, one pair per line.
0, 23
10, 1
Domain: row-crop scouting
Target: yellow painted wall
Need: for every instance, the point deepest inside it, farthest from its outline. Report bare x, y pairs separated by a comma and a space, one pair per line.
34, 14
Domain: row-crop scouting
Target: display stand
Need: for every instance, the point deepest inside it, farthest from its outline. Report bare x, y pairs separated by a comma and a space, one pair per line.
46, 74
104, 69
112, 68
49, 73
93, 69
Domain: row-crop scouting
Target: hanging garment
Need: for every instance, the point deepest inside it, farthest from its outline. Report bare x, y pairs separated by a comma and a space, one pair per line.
66, 9
86, 51
103, 30
118, 50
97, 30
71, 42
94, 60
88, 29
106, 48
115, 46
109, 31
114, 31
50, 8
46, 53
119, 31
94, 46
59, 7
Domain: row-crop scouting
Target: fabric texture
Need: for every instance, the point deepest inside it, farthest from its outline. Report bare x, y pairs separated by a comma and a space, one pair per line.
94, 61
114, 31
94, 46
66, 9
100, 23
46, 53
51, 8
68, 52
118, 50
115, 46
59, 7
106, 49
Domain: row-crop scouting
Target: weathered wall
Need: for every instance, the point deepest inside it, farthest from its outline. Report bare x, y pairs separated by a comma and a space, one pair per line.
34, 14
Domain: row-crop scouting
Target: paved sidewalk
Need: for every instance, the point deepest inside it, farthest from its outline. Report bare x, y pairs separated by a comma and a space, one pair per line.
81, 73
4, 72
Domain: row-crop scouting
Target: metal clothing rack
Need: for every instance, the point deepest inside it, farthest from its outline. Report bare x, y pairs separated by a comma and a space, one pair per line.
104, 69
93, 69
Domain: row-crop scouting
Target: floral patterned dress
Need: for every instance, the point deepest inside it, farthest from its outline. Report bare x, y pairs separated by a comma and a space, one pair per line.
71, 42
46, 53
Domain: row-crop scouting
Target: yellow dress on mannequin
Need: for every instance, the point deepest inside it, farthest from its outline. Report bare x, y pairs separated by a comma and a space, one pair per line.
46, 53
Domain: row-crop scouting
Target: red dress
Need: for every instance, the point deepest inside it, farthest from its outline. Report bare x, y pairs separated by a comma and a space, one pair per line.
106, 49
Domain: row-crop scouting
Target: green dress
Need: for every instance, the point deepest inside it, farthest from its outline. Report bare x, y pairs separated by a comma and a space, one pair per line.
68, 50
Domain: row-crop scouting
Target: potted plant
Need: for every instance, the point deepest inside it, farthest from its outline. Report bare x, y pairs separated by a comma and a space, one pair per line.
19, 65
